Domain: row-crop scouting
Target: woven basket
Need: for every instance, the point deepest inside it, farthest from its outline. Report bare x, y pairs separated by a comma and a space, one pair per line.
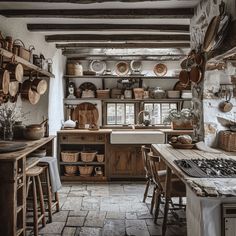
100, 157
138, 93
70, 170
85, 170
88, 156
103, 94
227, 140
70, 156
178, 125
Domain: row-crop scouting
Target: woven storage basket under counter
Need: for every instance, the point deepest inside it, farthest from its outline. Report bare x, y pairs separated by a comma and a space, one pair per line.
70, 156
227, 140
88, 156
85, 170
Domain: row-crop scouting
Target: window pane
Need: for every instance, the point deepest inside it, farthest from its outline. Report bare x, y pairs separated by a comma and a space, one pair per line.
129, 118
120, 116
111, 113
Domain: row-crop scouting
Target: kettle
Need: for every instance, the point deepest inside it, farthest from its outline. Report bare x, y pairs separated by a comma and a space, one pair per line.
69, 123
98, 171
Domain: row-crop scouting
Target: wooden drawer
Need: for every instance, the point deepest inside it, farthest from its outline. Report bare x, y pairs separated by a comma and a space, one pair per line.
82, 138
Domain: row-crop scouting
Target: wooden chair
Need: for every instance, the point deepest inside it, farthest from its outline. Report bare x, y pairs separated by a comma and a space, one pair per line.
177, 189
33, 179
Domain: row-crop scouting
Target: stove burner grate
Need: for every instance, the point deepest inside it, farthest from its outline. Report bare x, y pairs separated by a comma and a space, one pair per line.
208, 168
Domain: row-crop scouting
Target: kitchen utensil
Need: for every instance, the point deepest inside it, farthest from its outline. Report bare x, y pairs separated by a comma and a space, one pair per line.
88, 86
39, 86
195, 74
28, 94
173, 94
157, 93
20, 50
212, 29
128, 94
74, 68
186, 94
98, 171
184, 77
199, 59
186, 63
179, 86
35, 131
13, 88
69, 123
4, 81
122, 68
226, 105
98, 66
182, 146
160, 69
138, 93
16, 71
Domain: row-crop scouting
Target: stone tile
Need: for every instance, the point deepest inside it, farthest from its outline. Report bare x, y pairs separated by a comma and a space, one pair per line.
95, 219
60, 216
113, 228
144, 215
75, 221
62, 198
52, 228
91, 203
101, 193
69, 231
154, 230
115, 215
88, 231
64, 189
131, 216
109, 207
72, 203
81, 187
78, 213
81, 193
139, 207
136, 227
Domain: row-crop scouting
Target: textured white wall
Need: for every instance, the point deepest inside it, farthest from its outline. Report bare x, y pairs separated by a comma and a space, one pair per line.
50, 104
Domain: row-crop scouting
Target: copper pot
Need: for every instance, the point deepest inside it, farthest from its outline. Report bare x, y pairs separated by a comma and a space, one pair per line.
35, 131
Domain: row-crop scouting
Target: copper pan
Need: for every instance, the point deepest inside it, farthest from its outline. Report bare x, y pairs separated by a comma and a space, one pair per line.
195, 74
4, 81
184, 77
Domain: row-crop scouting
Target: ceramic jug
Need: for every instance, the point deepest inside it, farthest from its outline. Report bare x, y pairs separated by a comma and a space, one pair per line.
98, 171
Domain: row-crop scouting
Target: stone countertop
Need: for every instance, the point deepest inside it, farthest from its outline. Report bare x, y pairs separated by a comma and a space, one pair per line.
82, 131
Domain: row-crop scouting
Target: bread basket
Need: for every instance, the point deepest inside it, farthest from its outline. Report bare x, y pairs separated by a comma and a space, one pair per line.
70, 156
88, 156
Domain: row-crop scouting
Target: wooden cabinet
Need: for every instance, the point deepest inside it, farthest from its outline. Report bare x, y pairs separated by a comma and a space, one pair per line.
126, 161
79, 141
13, 187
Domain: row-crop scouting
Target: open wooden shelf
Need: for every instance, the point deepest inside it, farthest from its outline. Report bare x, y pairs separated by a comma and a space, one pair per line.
120, 77
82, 163
87, 178
26, 64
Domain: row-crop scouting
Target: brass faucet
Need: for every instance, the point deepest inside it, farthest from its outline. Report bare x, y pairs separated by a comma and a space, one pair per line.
145, 122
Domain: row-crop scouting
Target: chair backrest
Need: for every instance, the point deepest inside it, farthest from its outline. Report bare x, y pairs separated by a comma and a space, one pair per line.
154, 166
145, 150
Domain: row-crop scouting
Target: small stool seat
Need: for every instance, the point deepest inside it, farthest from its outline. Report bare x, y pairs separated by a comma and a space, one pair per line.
34, 171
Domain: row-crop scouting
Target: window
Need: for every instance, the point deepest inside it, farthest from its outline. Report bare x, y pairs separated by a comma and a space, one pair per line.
120, 113
158, 111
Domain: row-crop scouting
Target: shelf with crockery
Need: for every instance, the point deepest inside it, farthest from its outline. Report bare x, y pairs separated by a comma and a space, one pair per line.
119, 77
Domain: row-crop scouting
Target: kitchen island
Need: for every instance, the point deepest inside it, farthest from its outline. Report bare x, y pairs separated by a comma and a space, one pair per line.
205, 196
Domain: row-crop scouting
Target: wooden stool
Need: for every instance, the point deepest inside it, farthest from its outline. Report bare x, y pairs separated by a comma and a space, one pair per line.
32, 175
48, 195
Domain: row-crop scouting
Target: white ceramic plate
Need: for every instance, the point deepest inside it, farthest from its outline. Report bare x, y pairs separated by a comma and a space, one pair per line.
98, 66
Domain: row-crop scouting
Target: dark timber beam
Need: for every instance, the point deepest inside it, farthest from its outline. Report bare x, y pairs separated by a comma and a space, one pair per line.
114, 27
122, 45
182, 13
121, 37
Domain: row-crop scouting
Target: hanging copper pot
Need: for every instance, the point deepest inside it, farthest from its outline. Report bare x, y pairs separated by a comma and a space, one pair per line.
16, 71
195, 74
28, 94
39, 86
4, 81
13, 88
184, 77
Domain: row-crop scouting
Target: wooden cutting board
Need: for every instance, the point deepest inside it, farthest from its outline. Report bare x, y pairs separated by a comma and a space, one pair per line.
85, 113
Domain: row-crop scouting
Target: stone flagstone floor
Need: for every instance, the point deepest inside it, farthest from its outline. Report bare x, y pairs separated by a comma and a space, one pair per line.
110, 209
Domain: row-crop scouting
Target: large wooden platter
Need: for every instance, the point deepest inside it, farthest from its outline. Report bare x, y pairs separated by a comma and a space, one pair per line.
11, 146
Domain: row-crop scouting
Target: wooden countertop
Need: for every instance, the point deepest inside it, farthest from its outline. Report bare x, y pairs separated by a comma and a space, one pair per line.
83, 131
177, 132
31, 146
213, 187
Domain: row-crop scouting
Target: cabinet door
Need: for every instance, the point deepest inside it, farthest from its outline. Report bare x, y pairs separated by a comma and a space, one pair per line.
139, 170
121, 161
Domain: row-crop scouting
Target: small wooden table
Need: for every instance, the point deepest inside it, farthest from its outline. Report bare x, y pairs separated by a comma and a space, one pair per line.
202, 190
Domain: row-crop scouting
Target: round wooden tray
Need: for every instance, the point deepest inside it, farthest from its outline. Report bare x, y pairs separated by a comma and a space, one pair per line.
182, 146
11, 146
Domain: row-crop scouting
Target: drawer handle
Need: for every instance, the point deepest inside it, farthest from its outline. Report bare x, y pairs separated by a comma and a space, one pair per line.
63, 137
19, 170
82, 138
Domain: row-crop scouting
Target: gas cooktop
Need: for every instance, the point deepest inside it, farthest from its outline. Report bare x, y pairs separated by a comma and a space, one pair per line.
208, 168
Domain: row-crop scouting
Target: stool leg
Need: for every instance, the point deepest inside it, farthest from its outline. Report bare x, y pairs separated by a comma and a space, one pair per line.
157, 205
41, 200
166, 209
35, 206
57, 201
153, 199
49, 197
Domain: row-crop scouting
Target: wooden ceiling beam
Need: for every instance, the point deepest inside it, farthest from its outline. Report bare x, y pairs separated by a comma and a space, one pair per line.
113, 27
122, 45
113, 37
149, 13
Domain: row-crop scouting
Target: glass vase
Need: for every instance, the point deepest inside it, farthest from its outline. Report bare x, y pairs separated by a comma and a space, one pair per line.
8, 132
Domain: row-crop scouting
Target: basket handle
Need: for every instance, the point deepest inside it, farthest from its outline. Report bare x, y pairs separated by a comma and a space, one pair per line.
31, 48
17, 41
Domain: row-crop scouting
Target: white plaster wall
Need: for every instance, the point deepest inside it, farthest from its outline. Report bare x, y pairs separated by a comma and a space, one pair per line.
50, 104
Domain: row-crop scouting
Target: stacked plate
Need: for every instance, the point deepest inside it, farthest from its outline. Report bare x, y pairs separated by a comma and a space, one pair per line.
187, 94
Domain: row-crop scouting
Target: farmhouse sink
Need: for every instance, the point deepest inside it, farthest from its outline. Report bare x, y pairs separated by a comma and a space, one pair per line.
137, 137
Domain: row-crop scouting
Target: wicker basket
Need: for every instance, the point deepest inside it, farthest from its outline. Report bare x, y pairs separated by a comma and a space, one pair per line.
227, 140
88, 156
100, 157
70, 170
70, 156
103, 94
178, 125
85, 170
138, 93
